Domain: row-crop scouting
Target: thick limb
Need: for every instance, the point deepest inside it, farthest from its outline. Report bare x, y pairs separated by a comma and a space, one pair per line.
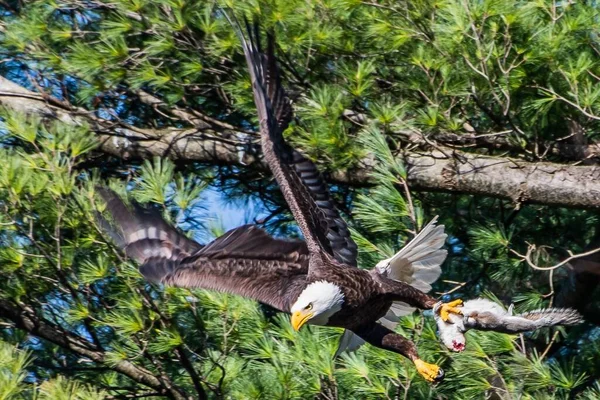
382, 337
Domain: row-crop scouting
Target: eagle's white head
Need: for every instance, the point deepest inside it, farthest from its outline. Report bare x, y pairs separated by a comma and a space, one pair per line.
316, 304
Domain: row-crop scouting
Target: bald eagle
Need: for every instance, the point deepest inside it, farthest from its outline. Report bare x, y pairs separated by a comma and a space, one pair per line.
316, 280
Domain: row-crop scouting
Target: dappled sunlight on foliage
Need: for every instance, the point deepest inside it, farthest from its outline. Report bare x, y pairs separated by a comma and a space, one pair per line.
373, 84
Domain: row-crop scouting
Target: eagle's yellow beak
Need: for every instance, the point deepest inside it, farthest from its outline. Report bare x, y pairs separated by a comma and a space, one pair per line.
299, 318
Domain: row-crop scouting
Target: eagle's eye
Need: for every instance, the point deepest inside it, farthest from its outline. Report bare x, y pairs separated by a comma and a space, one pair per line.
309, 306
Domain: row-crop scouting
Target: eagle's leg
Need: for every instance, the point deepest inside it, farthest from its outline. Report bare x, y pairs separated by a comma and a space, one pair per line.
400, 291
382, 337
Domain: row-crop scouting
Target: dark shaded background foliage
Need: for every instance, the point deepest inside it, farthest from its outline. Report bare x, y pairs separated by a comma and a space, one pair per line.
370, 80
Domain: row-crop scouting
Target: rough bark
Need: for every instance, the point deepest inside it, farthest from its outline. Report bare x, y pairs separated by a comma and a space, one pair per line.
520, 181
25, 318
584, 152
442, 169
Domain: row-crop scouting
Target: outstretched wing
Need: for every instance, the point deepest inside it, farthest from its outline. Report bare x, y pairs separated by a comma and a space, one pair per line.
341, 245
418, 264
139, 230
245, 261
301, 184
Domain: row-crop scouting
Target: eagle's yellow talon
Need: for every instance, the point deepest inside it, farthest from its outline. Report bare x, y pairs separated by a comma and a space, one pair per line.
430, 372
454, 303
451, 307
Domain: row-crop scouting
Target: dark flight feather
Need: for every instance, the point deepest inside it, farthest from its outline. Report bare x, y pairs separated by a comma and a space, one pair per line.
245, 261
301, 183
137, 230
342, 245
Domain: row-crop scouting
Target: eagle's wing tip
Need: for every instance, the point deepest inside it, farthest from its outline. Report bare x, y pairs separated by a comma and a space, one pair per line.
155, 270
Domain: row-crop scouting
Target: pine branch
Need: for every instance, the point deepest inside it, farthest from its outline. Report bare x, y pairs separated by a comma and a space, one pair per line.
25, 318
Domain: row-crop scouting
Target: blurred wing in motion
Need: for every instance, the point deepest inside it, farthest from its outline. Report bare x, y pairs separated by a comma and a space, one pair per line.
349, 341
245, 261
141, 232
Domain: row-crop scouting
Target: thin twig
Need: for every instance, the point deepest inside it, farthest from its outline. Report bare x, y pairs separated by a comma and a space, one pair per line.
549, 345
531, 249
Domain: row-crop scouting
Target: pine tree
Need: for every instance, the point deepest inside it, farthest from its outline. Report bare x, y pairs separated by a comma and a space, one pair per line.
481, 112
